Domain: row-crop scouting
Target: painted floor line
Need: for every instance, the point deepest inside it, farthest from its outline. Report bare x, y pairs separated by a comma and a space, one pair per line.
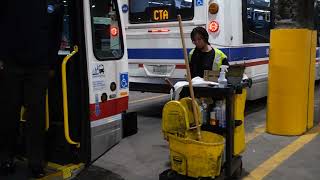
148, 99
274, 161
256, 132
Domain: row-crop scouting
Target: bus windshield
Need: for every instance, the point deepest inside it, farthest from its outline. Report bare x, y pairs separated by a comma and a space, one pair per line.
150, 11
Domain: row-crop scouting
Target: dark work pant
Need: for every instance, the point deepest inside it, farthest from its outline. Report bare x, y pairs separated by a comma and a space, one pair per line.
23, 86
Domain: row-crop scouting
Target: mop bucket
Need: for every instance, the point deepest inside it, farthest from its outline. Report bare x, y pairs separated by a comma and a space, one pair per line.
194, 158
177, 117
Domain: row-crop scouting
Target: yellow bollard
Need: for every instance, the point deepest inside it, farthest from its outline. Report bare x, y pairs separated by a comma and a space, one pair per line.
239, 132
291, 81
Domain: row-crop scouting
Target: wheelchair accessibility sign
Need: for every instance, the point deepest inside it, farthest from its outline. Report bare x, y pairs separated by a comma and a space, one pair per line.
199, 2
124, 80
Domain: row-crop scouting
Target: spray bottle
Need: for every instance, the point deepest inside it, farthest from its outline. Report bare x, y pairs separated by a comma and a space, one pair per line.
222, 77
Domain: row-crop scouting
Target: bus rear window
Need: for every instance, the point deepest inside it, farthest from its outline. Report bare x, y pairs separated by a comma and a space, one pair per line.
150, 11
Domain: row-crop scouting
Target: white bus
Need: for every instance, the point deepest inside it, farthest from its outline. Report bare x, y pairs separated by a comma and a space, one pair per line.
240, 28
89, 93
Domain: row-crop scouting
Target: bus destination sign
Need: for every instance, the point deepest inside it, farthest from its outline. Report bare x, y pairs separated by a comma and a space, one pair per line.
160, 14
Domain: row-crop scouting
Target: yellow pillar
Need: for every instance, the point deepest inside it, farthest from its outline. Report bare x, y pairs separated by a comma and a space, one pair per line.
291, 81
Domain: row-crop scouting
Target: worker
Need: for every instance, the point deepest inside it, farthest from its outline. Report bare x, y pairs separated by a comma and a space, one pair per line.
204, 56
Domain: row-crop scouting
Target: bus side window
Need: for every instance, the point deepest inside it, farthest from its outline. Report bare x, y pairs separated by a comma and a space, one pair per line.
65, 36
257, 21
317, 20
65, 39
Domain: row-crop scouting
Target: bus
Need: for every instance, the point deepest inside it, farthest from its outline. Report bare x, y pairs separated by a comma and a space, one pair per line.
240, 28
88, 95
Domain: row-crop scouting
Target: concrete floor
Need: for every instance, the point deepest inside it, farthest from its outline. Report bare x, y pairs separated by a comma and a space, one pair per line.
145, 155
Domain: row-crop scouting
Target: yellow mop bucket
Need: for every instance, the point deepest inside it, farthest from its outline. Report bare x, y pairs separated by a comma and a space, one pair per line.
194, 158
177, 117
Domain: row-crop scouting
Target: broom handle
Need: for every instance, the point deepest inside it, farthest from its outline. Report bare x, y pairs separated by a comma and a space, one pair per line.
194, 108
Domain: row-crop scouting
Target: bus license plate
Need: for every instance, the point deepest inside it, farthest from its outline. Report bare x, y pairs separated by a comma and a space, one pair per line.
161, 69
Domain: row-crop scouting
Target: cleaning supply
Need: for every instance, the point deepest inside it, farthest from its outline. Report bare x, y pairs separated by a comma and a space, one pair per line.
213, 120
222, 77
220, 111
223, 114
217, 110
203, 109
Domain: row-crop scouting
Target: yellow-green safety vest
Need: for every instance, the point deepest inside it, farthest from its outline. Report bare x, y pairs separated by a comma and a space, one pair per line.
218, 57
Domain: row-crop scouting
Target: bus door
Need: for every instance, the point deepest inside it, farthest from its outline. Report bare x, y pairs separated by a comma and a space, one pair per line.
59, 150
76, 151
96, 88
88, 87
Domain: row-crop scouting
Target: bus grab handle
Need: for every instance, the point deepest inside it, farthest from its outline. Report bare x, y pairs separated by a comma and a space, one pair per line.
65, 97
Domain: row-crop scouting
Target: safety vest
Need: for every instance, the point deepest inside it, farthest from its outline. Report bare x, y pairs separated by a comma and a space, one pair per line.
217, 60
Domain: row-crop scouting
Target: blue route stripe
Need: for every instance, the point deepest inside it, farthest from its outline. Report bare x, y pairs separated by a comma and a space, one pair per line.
234, 54
156, 53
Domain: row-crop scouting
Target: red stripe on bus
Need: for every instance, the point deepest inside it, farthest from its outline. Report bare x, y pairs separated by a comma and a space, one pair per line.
182, 66
256, 63
109, 108
139, 65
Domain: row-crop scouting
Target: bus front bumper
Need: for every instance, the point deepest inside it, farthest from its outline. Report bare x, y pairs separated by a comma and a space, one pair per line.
155, 85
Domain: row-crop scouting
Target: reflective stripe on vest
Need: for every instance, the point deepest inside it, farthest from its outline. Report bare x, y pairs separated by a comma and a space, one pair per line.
190, 54
218, 57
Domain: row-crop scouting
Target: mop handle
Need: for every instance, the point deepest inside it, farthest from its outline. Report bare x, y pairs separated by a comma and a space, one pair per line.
194, 104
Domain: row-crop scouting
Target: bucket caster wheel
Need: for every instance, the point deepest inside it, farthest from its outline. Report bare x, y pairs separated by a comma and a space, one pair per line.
168, 175
204, 178
238, 173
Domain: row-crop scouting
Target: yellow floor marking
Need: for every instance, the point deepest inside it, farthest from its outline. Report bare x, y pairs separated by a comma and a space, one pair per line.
148, 99
273, 162
256, 132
